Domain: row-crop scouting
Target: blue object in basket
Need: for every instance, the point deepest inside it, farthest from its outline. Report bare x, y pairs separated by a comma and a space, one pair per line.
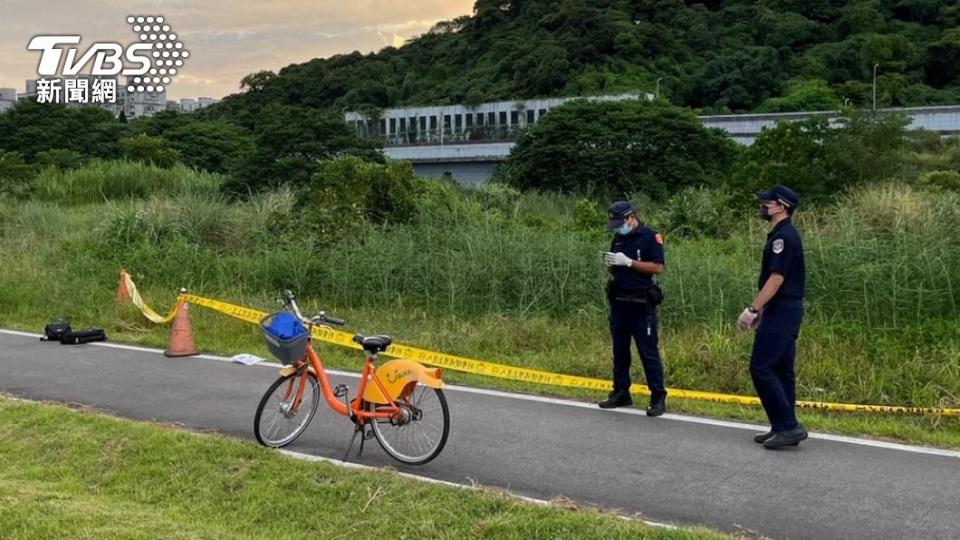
285, 326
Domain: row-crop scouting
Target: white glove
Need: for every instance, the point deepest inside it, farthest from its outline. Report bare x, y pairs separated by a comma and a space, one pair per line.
617, 259
747, 319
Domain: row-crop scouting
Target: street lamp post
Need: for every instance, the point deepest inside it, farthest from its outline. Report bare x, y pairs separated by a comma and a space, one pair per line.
656, 94
875, 66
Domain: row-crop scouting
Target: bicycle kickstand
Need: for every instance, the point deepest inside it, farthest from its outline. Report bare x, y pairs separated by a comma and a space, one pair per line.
356, 430
367, 435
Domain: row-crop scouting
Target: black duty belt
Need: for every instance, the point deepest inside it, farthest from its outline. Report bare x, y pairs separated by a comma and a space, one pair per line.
630, 299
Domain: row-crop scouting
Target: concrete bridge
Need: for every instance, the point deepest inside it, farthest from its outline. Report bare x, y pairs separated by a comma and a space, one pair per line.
468, 163
745, 128
467, 142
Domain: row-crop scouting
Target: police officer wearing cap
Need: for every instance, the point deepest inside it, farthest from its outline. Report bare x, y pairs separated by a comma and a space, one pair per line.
775, 314
635, 256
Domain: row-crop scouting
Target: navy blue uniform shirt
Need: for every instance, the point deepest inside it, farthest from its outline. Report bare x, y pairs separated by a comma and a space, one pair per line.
642, 244
783, 255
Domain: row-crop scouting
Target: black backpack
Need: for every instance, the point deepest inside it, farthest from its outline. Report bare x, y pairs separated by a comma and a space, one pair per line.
61, 331
55, 331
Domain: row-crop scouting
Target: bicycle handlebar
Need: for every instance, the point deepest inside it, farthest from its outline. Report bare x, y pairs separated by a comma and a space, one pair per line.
290, 300
335, 321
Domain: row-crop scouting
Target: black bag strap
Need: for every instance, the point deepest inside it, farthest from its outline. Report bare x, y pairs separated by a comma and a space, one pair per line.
83, 336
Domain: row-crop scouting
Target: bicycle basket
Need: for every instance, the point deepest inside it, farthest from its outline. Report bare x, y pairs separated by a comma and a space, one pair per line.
285, 336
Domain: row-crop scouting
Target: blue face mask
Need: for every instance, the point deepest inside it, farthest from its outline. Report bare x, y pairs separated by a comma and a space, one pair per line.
624, 229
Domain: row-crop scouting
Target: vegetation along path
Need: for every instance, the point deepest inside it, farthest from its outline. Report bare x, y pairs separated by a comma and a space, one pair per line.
676, 469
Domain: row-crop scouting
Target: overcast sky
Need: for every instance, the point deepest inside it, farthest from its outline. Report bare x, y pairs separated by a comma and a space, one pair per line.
227, 39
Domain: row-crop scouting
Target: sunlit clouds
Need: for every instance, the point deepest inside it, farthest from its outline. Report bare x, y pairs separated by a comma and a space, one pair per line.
227, 39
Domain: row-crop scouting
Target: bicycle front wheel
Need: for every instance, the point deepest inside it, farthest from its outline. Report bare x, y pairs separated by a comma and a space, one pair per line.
278, 421
418, 431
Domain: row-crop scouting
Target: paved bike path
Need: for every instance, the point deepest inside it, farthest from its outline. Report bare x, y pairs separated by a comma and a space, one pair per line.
664, 469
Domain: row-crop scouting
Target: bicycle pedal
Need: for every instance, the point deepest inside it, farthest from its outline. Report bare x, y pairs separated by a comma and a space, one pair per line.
341, 390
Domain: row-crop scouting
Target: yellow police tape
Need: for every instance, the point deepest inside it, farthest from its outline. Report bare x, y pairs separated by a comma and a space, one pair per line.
138, 301
513, 373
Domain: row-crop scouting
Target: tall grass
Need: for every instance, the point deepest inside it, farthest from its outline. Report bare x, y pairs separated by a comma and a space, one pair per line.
107, 180
885, 258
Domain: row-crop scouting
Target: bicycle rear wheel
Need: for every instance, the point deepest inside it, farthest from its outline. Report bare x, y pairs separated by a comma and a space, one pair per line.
418, 432
276, 424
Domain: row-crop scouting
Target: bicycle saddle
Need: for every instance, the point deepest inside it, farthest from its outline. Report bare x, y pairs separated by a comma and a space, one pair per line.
373, 344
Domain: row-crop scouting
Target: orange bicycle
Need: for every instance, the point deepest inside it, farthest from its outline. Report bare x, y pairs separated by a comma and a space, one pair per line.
401, 402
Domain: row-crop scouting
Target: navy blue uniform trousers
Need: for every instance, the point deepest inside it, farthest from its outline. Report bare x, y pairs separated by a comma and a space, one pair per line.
629, 320
772, 359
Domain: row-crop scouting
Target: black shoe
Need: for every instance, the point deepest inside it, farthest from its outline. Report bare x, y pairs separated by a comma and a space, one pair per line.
658, 404
617, 399
761, 438
791, 437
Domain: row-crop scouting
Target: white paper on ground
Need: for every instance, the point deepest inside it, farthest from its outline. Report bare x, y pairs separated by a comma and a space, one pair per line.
246, 359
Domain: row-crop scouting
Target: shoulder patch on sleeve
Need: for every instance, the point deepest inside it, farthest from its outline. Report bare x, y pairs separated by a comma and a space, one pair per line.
658, 238
778, 245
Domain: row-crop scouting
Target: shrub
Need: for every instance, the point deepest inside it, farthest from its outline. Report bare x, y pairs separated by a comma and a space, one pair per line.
347, 192
803, 95
15, 175
149, 150
698, 212
941, 180
60, 158
588, 216
821, 159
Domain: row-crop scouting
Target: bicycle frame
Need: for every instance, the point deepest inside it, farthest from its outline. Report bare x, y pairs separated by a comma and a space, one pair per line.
354, 410
400, 402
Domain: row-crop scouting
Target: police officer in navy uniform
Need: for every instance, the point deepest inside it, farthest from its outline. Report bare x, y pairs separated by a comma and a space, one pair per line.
635, 256
775, 314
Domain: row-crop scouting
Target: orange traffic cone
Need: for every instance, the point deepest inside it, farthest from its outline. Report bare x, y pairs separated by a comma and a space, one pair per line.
123, 295
181, 338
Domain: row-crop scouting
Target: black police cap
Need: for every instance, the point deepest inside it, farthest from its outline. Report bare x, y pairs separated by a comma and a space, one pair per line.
617, 213
781, 194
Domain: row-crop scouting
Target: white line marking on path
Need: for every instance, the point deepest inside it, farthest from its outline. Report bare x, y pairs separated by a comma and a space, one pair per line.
570, 403
356, 466
349, 465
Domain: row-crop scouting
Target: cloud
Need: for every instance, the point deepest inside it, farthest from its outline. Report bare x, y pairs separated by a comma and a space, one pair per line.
391, 33
227, 39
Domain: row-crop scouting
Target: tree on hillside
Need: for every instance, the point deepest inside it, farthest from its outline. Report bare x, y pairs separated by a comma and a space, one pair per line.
256, 82
718, 55
740, 80
943, 66
616, 149
290, 143
30, 128
211, 145
810, 95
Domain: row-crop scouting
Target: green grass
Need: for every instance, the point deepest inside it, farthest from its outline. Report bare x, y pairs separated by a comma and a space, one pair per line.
76, 474
104, 180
